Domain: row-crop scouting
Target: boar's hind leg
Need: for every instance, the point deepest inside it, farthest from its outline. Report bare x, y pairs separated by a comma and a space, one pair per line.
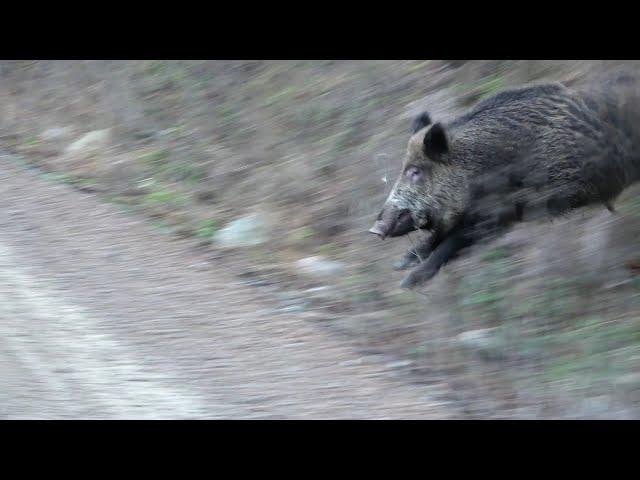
416, 255
446, 250
610, 207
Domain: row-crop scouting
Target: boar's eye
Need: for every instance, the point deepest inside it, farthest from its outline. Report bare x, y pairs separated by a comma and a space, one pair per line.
414, 174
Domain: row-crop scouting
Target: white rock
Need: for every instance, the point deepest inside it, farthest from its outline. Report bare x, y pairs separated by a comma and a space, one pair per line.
246, 231
96, 139
319, 267
483, 340
56, 133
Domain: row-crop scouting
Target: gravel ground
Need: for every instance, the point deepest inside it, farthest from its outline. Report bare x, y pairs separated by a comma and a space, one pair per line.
102, 317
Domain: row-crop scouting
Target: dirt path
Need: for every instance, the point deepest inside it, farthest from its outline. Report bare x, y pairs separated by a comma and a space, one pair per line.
100, 317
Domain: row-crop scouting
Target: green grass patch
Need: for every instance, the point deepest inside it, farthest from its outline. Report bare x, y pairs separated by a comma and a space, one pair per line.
207, 229
164, 197
185, 172
156, 160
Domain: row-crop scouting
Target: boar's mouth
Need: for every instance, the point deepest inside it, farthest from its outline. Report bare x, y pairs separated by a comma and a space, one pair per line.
393, 223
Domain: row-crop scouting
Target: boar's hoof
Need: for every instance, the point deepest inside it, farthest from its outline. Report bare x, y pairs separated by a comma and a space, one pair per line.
409, 260
410, 282
418, 277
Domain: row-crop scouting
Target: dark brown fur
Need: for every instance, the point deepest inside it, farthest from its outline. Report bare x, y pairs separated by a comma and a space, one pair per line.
539, 149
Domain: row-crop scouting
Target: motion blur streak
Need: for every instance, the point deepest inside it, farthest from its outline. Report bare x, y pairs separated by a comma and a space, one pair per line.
77, 368
101, 317
188, 239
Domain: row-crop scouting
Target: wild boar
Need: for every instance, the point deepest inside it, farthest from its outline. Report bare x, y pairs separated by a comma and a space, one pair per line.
543, 148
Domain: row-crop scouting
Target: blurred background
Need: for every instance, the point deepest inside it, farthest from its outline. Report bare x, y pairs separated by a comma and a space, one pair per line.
276, 169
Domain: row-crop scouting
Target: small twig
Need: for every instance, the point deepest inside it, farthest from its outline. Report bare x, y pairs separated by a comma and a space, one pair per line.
413, 248
385, 167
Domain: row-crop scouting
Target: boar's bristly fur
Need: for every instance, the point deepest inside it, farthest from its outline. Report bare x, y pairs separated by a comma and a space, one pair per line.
538, 149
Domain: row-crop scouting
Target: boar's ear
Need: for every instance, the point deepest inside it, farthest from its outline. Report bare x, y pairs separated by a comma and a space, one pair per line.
420, 122
435, 142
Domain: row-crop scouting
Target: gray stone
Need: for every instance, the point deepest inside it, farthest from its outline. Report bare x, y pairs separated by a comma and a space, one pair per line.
485, 341
319, 267
244, 232
56, 133
95, 140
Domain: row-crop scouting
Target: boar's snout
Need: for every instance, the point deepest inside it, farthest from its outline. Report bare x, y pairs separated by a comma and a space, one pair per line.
392, 222
379, 228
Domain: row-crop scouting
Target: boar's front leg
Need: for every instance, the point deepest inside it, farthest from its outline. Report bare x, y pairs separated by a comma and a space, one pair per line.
445, 250
416, 255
